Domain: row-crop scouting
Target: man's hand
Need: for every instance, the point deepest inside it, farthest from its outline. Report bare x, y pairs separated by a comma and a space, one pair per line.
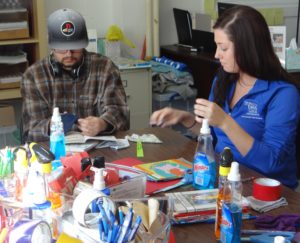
92, 126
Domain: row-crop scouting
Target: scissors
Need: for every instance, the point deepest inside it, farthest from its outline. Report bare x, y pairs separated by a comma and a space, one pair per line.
265, 236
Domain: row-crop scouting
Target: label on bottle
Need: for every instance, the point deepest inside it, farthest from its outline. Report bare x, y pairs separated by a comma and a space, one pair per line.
204, 172
231, 223
57, 145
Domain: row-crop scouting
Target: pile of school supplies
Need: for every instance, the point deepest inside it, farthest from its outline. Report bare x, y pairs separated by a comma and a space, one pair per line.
165, 170
197, 206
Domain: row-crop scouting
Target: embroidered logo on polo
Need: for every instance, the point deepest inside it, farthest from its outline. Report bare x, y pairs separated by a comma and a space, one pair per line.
252, 111
68, 28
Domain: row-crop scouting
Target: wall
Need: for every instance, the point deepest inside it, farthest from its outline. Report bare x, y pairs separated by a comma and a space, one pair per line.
130, 16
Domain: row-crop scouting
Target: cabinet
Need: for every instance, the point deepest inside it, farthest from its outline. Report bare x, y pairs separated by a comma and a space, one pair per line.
35, 46
137, 83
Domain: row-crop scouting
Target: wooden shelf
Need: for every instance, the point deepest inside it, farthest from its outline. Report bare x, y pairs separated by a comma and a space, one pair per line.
19, 41
8, 94
35, 46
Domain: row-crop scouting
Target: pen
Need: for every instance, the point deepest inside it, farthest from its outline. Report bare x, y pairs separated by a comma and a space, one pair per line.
248, 179
105, 219
125, 226
100, 227
115, 231
135, 228
121, 218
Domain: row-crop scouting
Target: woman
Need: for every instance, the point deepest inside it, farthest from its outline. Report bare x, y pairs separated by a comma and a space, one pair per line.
254, 104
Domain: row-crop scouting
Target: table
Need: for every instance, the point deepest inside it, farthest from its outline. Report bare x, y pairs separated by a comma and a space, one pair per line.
176, 145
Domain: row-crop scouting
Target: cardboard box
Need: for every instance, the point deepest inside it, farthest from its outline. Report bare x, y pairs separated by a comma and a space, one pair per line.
7, 116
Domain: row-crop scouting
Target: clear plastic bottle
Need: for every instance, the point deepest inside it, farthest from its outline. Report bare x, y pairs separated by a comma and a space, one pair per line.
225, 162
204, 166
57, 137
232, 207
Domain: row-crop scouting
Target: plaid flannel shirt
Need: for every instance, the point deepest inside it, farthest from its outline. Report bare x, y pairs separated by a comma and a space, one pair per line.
97, 91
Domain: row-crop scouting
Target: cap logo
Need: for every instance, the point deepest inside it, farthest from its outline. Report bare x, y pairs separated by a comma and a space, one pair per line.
68, 28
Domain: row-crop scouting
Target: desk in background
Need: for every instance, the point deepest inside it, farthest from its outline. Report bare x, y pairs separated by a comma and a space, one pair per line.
176, 145
203, 66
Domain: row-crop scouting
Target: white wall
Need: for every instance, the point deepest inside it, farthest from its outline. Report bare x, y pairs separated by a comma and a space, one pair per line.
130, 16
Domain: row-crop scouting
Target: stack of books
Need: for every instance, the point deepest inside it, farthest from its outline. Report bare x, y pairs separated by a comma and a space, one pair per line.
197, 206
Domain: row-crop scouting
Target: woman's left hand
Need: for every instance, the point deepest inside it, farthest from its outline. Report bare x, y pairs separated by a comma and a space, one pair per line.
211, 111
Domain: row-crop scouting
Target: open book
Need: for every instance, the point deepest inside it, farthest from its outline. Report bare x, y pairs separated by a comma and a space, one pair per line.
77, 137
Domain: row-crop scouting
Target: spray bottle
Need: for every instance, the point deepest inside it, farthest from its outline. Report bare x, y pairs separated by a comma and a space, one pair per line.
232, 207
204, 166
57, 137
225, 162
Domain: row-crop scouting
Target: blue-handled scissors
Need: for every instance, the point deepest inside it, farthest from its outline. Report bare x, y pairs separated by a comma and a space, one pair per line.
265, 236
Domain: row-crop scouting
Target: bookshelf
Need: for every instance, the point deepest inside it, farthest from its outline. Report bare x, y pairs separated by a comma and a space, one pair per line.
34, 44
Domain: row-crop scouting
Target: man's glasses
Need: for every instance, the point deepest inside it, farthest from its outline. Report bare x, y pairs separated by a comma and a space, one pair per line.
66, 51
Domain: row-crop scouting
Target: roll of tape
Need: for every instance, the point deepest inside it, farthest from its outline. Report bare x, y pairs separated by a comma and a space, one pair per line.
30, 231
266, 189
84, 200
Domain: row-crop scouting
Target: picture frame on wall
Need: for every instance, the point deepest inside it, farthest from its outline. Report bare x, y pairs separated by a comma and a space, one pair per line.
278, 37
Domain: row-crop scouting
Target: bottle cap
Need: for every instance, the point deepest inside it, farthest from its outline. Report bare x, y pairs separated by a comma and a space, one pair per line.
279, 239
234, 174
205, 127
55, 114
99, 162
85, 162
225, 161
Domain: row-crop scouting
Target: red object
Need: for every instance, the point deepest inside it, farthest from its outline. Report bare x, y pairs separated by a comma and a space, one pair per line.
172, 237
266, 189
74, 162
151, 186
65, 182
111, 177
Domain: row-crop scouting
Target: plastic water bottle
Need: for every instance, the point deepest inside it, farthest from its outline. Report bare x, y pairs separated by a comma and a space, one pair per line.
224, 167
57, 136
204, 166
232, 207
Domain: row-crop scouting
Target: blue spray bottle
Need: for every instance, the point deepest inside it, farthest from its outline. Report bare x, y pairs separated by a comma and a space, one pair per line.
204, 166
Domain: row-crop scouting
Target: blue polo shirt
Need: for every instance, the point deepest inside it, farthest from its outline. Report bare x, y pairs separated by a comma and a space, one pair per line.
269, 113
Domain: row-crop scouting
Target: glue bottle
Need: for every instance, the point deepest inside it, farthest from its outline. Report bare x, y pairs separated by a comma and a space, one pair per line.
204, 166
232, 207
57, 137
111, 175
225, 161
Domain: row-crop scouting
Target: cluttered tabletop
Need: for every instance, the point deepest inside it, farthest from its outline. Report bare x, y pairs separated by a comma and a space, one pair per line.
267, 209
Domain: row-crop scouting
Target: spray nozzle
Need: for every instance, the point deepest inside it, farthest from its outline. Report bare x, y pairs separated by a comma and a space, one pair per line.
99, 182
205, 127
234, 174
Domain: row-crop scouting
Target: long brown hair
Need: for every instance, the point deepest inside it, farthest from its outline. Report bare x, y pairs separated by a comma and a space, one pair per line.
253, 50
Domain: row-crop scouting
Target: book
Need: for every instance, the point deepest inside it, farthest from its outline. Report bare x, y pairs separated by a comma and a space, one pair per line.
193, 201
80, 147
166, 169
152, 187
77, 137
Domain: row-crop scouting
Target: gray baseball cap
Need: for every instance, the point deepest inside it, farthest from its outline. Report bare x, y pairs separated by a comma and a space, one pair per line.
67, 30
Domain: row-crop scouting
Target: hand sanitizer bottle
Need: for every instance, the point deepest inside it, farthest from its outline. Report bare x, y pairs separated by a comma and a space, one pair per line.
204, 166
57, 137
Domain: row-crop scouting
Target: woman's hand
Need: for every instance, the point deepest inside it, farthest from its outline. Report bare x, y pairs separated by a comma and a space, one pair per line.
168, 116
211, 111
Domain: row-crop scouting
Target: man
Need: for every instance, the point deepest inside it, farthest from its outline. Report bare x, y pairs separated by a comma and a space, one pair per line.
86, 85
